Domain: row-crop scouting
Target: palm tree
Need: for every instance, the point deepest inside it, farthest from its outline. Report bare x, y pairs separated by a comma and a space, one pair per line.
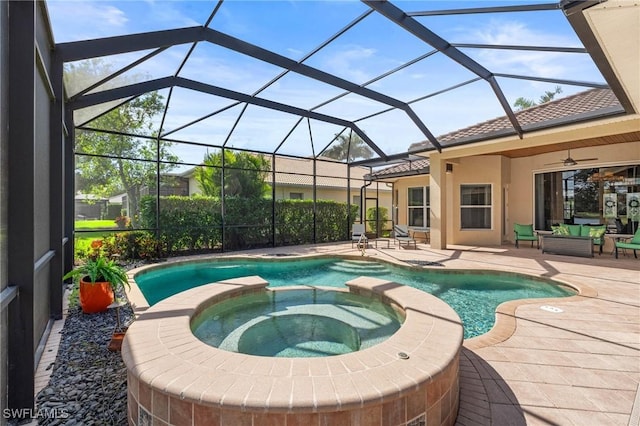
523, 103
348, 147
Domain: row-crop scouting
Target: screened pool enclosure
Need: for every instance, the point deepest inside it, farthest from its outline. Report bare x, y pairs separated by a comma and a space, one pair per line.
174, 122
208, 126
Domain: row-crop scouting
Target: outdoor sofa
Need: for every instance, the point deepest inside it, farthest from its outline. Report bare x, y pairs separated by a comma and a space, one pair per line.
571, 244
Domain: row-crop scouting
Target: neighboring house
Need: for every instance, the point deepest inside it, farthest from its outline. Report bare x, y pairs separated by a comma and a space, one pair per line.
294, 181
489, 178
170, 184
90, 206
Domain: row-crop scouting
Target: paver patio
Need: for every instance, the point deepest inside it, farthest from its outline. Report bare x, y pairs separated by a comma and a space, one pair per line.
579, 366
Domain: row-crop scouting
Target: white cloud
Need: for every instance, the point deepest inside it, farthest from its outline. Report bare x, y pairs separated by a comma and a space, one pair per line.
500, 32
348, 62
78, 20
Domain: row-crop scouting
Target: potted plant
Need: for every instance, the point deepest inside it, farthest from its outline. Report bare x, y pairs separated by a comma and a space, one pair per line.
99, 278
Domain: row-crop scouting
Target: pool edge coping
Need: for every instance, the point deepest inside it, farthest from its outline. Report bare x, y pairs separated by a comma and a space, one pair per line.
169, 365
505, 319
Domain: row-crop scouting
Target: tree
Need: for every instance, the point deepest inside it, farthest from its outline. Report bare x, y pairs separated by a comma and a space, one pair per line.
349, 147
523, 103
245, 174
105, 161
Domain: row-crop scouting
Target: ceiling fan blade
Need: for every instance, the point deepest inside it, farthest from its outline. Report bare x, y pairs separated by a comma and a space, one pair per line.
570, 161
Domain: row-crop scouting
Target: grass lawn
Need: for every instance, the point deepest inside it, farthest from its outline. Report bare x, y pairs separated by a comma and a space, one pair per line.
102, 228
95, 224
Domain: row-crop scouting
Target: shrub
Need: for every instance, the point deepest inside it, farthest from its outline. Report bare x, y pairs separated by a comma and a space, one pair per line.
195, 223
377, 218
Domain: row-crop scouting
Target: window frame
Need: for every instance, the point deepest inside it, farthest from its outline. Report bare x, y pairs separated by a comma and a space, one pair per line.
477, 206
425, 206
298, 195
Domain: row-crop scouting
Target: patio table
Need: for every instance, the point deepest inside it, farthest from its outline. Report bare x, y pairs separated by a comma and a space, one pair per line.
426, 232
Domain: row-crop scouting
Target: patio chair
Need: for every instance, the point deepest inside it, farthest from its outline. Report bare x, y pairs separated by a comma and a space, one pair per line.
632, 244
401, 235
358, 235
525, 233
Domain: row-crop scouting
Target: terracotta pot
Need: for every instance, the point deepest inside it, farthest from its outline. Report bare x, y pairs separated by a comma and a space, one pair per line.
95, 297
115, 345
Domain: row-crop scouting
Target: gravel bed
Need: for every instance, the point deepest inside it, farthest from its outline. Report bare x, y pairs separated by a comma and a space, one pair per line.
88, 382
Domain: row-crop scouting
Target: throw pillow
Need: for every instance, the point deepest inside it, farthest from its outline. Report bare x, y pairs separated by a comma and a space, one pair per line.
596, 233
560, 230
574, 230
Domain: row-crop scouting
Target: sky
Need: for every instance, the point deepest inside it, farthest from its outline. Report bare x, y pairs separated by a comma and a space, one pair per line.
375, 46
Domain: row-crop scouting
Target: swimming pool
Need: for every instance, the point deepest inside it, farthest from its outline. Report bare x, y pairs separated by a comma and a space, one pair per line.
474, 295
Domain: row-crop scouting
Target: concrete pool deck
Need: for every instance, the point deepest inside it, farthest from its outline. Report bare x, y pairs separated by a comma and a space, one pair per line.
578, 366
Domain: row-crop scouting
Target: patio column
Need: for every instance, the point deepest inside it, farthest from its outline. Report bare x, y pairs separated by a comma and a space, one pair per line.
438, 201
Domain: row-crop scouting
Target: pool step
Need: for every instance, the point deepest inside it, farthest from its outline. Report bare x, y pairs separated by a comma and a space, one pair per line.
358, 267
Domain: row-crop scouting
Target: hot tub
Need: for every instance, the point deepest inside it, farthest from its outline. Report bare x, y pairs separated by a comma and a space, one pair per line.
409, 378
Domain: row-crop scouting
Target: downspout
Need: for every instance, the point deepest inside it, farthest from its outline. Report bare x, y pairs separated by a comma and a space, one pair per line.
363, 189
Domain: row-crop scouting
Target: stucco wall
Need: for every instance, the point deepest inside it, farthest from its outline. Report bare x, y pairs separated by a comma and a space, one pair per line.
486, 169
401, 186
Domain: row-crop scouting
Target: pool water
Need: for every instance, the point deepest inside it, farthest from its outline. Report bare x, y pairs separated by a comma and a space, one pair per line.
296, 323
473, 295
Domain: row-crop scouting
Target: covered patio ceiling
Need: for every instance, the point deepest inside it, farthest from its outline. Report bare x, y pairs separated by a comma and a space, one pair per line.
288, 78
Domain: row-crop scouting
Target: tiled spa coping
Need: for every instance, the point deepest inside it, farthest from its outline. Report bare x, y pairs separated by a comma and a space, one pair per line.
162, 353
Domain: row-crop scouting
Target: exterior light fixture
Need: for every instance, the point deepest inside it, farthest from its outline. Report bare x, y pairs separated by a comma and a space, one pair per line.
449, 168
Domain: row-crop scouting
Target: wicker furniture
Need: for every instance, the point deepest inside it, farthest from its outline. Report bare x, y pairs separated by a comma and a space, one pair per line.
568, 245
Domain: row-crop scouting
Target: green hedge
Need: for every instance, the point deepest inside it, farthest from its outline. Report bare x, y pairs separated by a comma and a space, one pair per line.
195, 223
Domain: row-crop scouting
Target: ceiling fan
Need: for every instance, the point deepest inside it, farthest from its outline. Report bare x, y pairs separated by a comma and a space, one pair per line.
570, 161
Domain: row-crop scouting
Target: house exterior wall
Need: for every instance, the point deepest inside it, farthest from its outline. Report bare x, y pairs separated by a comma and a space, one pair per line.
477, 170
283, 192
512, 187
402, 186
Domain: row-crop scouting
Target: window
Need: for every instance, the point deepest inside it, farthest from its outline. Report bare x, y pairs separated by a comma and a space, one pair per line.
418, 204
475, 206
296, 196
588, 196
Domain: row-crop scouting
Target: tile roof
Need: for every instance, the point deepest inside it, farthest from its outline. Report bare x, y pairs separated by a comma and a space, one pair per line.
321, 181
404, 169
582, 105
572, 108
